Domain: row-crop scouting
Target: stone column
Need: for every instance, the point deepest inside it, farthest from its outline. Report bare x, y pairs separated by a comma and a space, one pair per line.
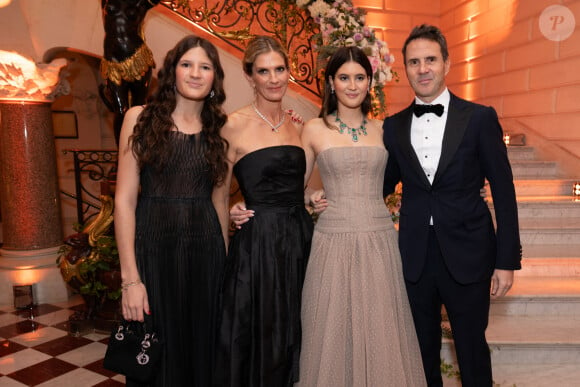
29, 198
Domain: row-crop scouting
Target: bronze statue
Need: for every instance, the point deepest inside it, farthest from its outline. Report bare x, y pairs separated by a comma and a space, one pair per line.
127, 62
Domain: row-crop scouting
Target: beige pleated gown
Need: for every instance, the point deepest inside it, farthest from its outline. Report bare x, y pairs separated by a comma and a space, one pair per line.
357, 325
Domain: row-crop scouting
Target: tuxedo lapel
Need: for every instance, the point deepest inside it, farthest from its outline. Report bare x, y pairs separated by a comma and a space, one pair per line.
457, 120
404, 140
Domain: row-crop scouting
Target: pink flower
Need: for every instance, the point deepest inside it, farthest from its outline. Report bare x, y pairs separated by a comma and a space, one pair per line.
375, 63
342, 24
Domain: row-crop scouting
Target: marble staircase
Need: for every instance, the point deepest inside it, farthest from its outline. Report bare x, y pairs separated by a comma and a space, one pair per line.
534, 332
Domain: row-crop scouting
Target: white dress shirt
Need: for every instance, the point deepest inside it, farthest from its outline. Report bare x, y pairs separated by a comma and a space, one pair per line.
427, 136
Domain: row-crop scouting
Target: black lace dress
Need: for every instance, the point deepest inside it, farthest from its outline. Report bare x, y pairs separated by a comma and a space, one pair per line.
180, 255
260, 334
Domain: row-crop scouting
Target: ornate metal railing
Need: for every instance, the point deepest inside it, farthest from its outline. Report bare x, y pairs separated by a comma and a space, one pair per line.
94, 171
236, 21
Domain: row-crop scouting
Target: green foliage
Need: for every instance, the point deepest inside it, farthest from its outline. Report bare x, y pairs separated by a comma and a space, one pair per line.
104, 257
449, 370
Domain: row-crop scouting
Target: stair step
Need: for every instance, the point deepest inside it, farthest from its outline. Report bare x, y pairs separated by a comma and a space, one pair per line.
524, 375
549, 267
549, 222
555, 306
540, 375
529, 340
540, 296
545, 187
534, 169
523, 347
545, 250
545, 286
539, 207
534, 331
549, 236
544, 339
516, 153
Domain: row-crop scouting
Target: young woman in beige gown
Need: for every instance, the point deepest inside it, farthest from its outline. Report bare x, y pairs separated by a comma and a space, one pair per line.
357, 325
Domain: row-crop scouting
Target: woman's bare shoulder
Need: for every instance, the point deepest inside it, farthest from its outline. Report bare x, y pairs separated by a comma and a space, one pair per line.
239, 118
314, 124
236, 124
135, 111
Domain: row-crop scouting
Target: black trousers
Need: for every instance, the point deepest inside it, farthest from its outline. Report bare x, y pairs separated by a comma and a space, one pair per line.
468, 309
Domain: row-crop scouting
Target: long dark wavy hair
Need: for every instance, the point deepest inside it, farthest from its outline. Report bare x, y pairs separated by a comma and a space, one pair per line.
150, 139
340, 57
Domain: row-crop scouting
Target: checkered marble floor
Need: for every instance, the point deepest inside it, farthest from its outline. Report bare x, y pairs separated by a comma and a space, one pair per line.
37, 350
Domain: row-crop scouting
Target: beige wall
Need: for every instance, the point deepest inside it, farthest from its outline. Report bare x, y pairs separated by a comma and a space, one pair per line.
500, 58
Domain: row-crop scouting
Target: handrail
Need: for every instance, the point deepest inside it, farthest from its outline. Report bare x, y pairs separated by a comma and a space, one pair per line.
92, 166
237, 21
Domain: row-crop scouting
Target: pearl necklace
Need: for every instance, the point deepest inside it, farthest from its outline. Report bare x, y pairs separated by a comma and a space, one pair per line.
274, 127
354, 132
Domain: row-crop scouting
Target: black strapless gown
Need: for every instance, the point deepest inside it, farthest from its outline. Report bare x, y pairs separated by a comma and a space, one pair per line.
260, 335
180, 253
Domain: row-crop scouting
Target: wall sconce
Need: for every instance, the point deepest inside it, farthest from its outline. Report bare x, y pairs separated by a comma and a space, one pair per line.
23, 296
576, 191
506, 138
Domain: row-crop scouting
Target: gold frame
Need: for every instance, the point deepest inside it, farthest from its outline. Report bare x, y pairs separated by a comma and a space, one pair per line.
64, 124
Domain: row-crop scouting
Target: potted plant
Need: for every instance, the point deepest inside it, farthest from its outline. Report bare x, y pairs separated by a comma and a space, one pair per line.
89, 264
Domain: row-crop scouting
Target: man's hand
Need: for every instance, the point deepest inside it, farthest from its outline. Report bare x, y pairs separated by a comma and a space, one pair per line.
240, 215
318, 201
501, 282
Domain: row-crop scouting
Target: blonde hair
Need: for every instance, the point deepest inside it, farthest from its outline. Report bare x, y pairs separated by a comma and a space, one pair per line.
262, 45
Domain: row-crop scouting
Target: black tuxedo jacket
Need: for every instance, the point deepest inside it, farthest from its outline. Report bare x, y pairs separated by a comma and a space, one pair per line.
472, 151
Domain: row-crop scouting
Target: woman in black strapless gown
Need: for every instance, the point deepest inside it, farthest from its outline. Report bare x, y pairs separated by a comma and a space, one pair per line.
260, 335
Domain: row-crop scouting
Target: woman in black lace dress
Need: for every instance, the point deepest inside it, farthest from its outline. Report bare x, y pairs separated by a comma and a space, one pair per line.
170, 184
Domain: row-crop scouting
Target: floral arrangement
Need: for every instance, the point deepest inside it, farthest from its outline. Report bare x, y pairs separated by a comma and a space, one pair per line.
342, 24
393, 202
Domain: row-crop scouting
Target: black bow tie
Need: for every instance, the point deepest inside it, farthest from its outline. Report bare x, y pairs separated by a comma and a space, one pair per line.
419, 110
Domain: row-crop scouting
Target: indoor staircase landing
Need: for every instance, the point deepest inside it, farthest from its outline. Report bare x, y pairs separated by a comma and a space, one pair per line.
534, 332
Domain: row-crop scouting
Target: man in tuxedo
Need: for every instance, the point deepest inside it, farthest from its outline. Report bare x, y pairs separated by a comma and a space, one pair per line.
443, 148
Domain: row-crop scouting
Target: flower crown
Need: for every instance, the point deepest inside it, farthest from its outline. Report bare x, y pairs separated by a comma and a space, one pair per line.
342, 24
